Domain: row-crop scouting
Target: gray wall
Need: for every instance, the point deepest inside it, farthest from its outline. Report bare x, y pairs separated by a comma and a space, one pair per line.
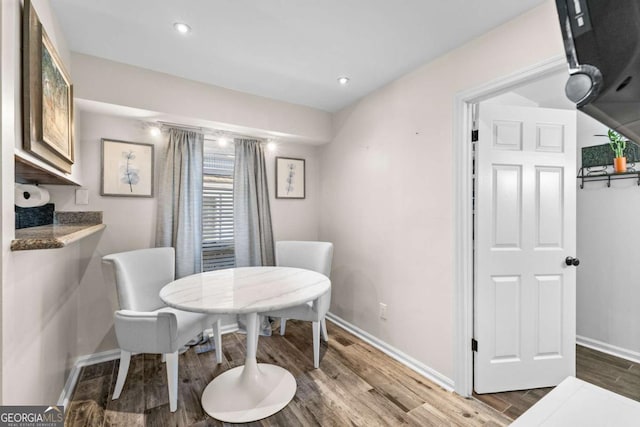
608, 287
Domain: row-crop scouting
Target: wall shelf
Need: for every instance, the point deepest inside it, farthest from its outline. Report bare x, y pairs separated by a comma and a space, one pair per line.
586, 174
27, 172
597, 164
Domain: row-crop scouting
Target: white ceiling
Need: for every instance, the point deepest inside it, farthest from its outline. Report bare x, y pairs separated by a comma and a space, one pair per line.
548, 92
290, 50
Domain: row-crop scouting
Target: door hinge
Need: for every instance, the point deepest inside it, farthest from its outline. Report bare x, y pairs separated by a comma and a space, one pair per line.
474, 135
474, 344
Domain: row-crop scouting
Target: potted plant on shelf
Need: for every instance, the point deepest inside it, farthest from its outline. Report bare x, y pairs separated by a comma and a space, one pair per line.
618, 143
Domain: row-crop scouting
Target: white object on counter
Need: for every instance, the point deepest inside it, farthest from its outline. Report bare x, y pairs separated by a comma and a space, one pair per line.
30, 196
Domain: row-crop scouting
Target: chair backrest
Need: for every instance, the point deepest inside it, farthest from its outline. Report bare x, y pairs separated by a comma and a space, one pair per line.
316, 256
139, 276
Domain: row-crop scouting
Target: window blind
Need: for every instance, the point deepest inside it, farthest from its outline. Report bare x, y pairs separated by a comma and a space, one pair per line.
217, 210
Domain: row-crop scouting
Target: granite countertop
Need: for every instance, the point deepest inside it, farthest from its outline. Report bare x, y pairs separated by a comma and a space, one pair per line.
68, 227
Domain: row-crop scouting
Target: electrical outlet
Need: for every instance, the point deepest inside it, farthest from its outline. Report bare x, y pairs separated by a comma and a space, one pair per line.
383, 311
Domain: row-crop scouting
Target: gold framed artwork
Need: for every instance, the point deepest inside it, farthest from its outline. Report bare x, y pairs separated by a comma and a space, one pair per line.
127, 169
47, 96
290, 178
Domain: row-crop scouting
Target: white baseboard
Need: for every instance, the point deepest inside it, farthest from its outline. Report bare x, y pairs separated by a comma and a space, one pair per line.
105, 356
82, 361
632, 356
424, 370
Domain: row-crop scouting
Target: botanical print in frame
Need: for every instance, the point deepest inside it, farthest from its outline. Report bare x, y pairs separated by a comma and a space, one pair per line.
290, 178
47, 95
127, 169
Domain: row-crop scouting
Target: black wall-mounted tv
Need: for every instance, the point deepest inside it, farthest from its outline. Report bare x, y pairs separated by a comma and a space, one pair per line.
602, 44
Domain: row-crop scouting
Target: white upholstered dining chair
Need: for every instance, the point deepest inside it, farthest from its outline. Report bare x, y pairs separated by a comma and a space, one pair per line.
316, 256
144, 324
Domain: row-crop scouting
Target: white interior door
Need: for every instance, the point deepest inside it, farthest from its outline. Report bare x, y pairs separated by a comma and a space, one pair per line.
524, 291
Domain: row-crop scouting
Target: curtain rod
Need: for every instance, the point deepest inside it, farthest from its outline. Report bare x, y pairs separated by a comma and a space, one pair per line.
181, 126
212, 132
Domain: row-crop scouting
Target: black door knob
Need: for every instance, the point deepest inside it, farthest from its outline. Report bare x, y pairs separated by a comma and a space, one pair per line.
572, 261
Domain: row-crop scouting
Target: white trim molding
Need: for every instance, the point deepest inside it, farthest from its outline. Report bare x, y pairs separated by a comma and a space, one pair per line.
623, 353
463, 214
413, 364
106, 356
74, 374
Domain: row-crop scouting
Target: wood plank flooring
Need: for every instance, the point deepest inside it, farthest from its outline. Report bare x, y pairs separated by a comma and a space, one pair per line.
356, 385
609, 372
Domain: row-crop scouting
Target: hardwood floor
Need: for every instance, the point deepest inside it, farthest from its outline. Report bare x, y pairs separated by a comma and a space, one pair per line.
356, 385
612, 373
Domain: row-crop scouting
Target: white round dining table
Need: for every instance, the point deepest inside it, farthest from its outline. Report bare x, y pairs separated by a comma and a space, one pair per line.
255, 390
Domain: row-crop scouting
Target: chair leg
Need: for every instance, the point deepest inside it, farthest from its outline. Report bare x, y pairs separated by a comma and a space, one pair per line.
217, 340
283, 325
316, 344
325, 336
172, 380
125, 358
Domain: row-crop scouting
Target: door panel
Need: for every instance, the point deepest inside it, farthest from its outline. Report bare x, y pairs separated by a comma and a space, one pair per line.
550, 137
549, 207
524, 293
507, 319
507, 206
549, 316
507, 135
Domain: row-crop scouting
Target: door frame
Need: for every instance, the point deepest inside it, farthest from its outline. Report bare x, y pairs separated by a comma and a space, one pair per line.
462, 208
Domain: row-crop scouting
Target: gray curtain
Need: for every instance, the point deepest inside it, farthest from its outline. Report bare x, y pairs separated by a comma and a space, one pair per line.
253, 234
180, 200
251, 212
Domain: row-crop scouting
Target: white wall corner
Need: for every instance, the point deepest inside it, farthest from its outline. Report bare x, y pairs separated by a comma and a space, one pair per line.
74, 374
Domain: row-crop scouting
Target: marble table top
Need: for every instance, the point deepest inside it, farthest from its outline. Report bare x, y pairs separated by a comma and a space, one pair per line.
245, 290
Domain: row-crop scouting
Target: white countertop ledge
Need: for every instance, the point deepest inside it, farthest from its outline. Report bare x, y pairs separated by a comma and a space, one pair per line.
52, 236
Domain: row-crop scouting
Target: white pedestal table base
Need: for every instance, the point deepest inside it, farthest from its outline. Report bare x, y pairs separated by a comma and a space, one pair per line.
250, 392
228, 398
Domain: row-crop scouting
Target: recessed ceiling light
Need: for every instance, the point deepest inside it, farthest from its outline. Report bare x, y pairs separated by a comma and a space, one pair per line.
343, 80
181, 27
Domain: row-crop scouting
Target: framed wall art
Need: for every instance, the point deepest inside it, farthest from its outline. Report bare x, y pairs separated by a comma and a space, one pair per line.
47, 96
127, 169
290, 178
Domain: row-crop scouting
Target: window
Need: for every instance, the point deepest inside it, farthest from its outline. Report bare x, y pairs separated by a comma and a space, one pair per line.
217, 208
